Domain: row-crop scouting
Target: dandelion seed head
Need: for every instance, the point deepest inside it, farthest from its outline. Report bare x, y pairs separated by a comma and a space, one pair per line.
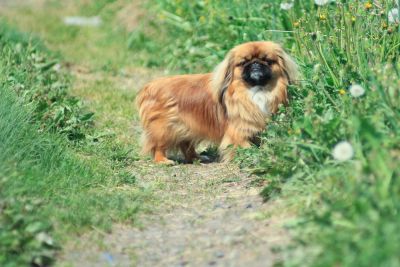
393, 16
356, 90
286, 6
322, 2
343, 151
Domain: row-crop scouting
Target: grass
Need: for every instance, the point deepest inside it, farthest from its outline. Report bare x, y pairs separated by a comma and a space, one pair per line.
80, 45
51, 185
347, 211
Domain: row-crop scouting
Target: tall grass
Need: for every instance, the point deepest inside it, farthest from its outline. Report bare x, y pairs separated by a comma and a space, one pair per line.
349, 209
47, 188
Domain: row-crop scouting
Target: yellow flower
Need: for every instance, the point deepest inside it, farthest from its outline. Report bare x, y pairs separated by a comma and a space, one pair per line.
342, 92
322, 17
384, 25
353, 19
368, 5
296, 24
161, 17
202, 19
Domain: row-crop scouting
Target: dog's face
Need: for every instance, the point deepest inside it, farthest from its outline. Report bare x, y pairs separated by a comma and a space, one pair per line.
255, 64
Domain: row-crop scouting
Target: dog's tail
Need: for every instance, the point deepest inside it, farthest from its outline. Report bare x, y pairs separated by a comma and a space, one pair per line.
140, 104
140, 98
147, 146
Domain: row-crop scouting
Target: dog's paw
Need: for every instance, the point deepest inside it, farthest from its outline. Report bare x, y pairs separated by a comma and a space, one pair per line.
205, 159
167, 162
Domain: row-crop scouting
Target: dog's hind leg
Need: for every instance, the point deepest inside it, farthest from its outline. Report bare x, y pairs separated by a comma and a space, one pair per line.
188, 151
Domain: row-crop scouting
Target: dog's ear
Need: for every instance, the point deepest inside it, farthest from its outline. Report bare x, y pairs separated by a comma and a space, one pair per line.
289, 67
223, 76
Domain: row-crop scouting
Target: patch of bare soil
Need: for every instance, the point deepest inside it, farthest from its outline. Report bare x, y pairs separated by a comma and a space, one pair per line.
130, 78
201, 215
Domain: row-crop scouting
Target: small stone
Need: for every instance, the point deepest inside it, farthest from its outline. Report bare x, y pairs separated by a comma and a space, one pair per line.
218, 205
183, 263
249, 206
219, 254
212, 263
108, 257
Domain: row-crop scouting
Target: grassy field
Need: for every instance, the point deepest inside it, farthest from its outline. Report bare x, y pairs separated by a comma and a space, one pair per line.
347, 199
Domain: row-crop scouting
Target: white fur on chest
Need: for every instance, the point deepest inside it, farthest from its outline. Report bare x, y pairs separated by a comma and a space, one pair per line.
261, 98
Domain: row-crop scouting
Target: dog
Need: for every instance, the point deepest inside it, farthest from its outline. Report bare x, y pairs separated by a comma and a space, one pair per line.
227, 107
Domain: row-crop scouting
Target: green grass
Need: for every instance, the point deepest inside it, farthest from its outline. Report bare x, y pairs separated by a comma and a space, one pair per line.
349, 211
51, 185
100, 49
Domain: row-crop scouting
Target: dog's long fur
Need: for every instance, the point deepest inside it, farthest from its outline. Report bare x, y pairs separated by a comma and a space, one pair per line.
180, 111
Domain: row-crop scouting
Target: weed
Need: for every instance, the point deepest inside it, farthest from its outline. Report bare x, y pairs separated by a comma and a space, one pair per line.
33, 77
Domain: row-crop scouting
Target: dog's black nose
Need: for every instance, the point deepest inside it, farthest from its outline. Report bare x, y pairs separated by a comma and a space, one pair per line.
256, 74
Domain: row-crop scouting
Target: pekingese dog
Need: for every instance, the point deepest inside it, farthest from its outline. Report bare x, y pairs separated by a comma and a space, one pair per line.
227, 107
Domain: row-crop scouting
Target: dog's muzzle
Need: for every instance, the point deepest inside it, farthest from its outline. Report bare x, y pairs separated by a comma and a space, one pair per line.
256, 74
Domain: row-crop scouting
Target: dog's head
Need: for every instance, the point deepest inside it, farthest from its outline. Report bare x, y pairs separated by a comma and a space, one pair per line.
254, 64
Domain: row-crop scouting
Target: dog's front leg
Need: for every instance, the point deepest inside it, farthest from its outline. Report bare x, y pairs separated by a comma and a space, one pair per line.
232, 140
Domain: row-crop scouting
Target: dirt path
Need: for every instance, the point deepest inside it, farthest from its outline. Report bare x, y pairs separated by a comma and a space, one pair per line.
202, 215
198, 215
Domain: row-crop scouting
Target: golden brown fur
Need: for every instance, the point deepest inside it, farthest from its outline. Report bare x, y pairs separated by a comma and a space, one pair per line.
180, 111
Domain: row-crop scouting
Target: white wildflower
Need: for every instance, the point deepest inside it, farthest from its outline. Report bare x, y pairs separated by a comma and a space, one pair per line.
317, 68
343, 151
286, 6
356, 90
44, 238
393, 16
321, 2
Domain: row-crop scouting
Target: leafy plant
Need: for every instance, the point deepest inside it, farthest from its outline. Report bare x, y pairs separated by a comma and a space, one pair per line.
25, 238
35, 77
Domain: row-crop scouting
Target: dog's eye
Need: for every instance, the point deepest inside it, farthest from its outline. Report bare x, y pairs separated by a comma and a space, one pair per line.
270, 61
241, 63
